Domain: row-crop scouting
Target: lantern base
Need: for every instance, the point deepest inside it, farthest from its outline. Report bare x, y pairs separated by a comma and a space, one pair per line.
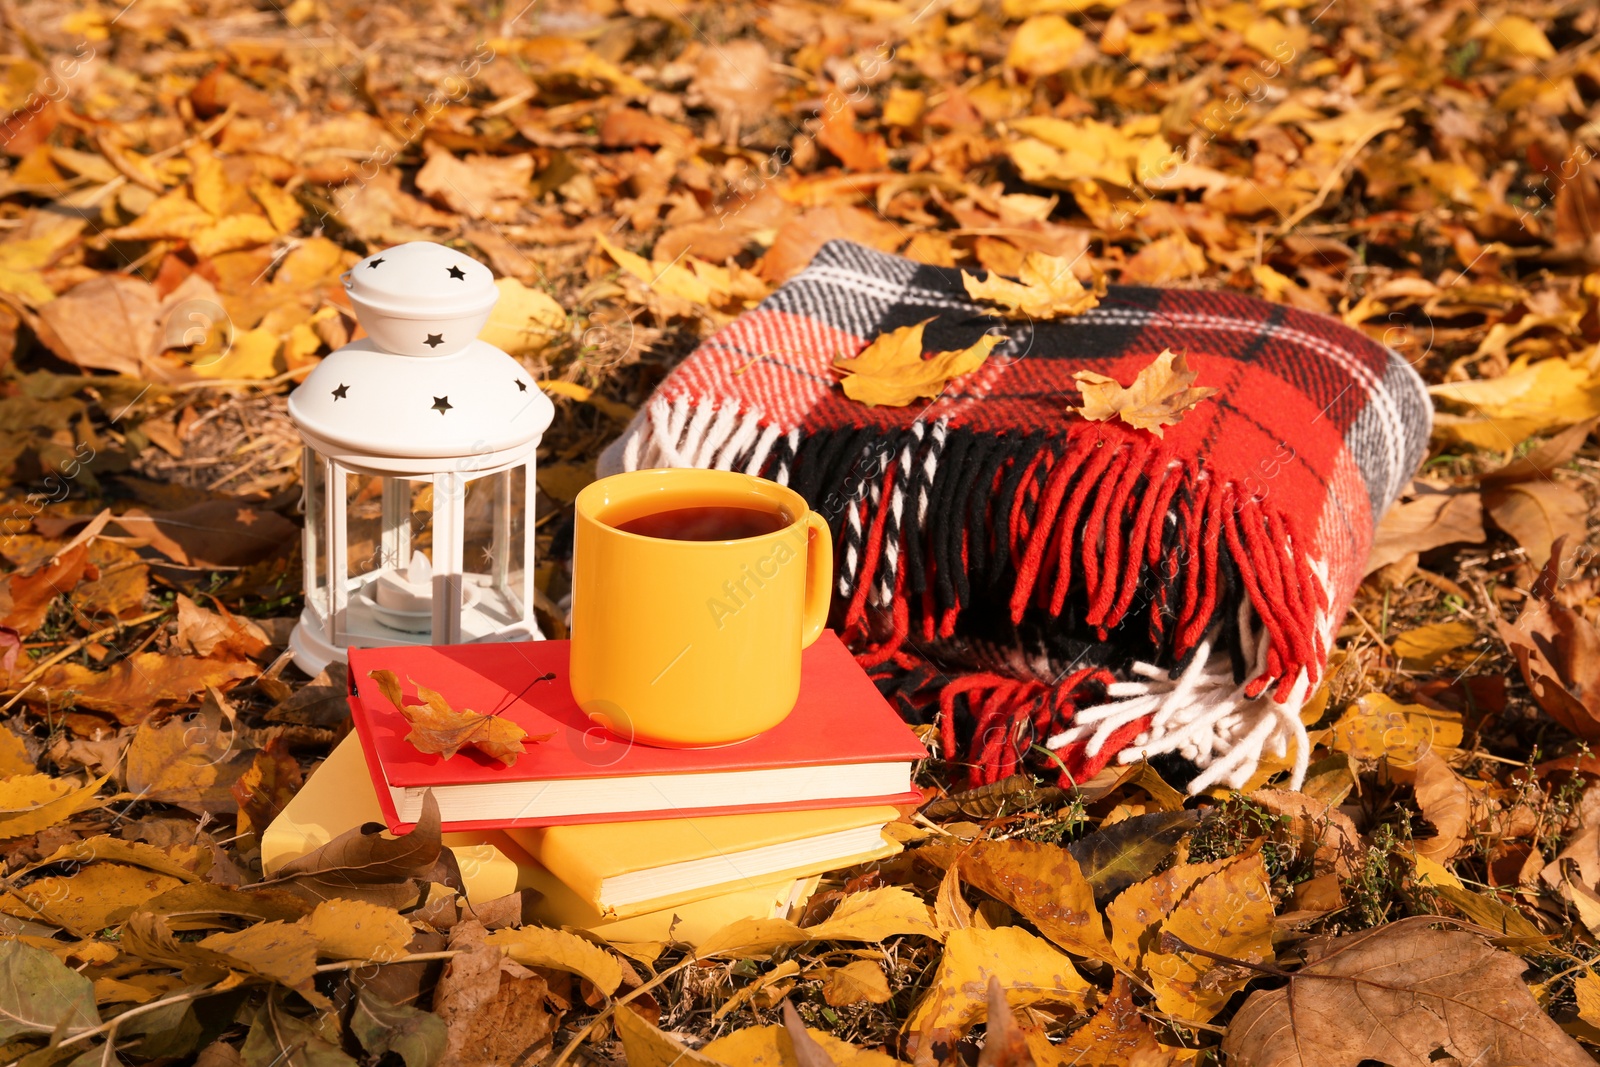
313, 651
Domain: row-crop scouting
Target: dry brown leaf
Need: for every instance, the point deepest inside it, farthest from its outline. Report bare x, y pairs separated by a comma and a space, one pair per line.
1446, 802
438, 729
1428, 521
858, 151
1046, 288
1558, 652
805, 1049
106, 323
798, 240
373, 866
1117, 1036
535, 946
1041, 882
266, 786
222, 533
1160, 396
1538, 512
133, 689
1401, 994
189, 761
357, 930
1170, 259
1319, 825
202, 631
645, 1046
736, 79
31, 802
480, 187
891, 371
1228, 913
30, 595
1029, 969
1543, 461
1004, 1044
858, 982
99, 896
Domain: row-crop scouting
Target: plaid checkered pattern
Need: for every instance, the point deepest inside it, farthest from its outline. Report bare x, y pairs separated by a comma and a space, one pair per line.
1002, 561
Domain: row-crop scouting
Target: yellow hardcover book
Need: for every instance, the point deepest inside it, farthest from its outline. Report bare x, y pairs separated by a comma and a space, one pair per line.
339, 797
624, 868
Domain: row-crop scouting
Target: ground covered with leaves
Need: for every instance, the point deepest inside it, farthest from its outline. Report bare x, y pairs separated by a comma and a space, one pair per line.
184, 180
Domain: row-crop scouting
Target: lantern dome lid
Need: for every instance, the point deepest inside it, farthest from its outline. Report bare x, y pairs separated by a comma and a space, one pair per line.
421, 279
476, 402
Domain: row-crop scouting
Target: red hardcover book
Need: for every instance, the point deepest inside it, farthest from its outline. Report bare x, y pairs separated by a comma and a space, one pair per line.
843, 745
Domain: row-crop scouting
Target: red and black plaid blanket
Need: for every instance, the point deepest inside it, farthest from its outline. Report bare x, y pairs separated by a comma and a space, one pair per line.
1054, 591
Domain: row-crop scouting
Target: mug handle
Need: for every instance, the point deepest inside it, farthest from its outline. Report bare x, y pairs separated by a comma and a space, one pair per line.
819, 578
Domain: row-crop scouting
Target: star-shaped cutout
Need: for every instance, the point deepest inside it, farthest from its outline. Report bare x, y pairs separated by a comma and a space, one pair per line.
522, 386
442, 404
245, 517
457, 272
341, 392
374, 263
434, 340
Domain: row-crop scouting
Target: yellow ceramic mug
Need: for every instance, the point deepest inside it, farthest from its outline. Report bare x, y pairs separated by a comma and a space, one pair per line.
690, 642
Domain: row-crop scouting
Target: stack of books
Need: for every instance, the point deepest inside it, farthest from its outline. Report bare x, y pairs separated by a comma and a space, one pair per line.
634, 842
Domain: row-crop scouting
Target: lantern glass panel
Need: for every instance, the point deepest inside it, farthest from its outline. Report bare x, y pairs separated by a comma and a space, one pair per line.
314, 479
494, 552
389, 552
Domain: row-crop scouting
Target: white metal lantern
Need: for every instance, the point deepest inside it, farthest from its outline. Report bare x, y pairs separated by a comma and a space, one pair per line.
419, 467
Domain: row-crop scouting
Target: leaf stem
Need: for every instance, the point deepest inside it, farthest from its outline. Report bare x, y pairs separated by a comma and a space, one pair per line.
1174, 943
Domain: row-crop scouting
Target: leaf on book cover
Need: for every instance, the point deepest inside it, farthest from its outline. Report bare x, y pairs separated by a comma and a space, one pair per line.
890, 372
1158, 397
438, 729
1046, 289
357, 930
537, 946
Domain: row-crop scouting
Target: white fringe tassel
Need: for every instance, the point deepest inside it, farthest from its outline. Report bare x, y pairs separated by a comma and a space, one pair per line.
1203, 714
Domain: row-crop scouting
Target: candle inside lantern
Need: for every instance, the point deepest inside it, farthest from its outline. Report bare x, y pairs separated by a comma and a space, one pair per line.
410, 591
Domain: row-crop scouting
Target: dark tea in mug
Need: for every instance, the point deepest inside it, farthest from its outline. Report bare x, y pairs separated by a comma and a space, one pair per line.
708, 522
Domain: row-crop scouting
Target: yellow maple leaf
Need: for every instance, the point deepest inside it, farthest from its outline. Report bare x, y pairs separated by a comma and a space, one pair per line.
1046, 289
890, 372
1158, 397
439, 729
